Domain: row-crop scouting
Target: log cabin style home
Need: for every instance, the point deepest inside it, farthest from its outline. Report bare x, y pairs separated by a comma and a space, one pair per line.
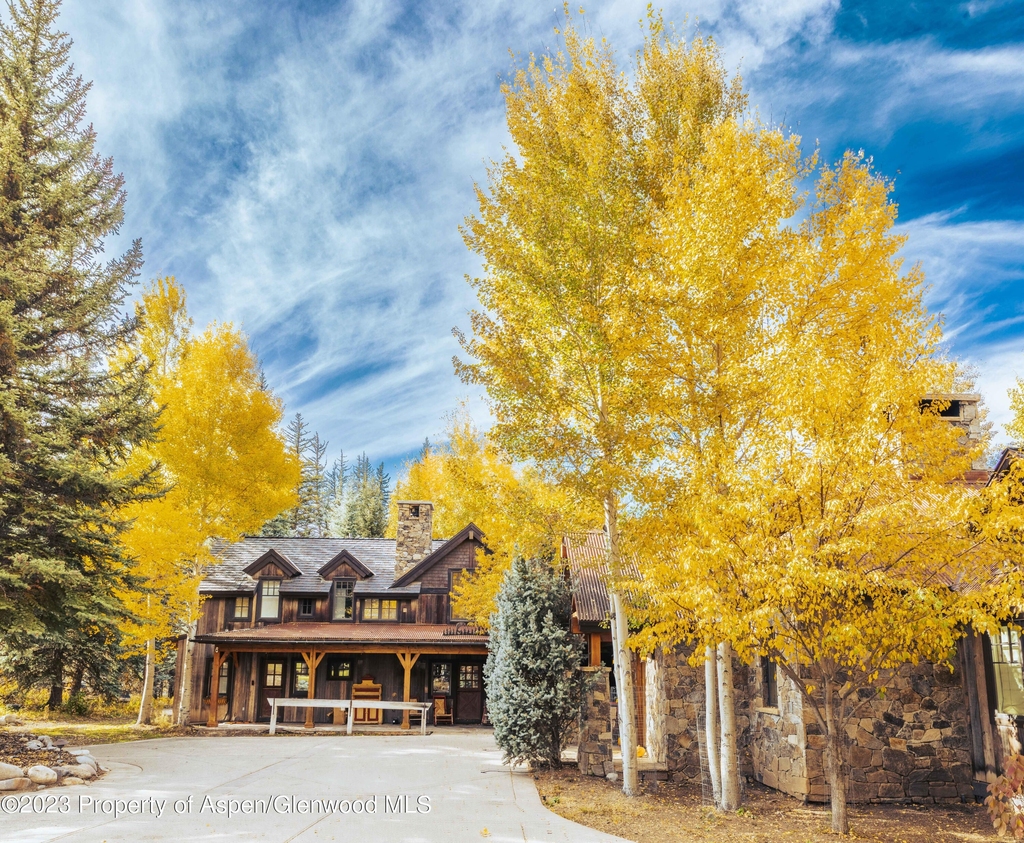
338, 618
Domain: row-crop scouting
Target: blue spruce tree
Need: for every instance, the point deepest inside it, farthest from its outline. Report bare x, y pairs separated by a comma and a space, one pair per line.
532, 676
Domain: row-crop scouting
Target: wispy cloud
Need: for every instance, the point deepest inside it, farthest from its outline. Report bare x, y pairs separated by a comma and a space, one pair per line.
303, 168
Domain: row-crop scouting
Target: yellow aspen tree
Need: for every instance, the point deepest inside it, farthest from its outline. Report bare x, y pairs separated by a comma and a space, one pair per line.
844, 543
563, 232
222, 457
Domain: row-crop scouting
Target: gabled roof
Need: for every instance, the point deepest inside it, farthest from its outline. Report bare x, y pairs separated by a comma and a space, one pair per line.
273, 557
1006, 459
308, 555
470, 533
345, 558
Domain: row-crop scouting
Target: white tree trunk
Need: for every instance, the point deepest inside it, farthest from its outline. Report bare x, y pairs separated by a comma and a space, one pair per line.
185, 700
730, 757
711, 722
146, 703
623, 660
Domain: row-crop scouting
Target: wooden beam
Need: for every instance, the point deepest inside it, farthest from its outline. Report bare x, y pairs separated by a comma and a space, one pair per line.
407, 660
312, 661
218, 659
595, 649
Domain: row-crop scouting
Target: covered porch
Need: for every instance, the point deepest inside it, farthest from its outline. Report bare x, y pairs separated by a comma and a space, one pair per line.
254, 666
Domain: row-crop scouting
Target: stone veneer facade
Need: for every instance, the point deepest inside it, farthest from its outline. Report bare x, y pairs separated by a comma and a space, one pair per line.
910, 745
413, 535
594, 750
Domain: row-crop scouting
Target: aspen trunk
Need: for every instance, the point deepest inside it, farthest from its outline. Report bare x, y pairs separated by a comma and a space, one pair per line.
623, 661
730, 758
146, 703
834, 767
186, 676
711, 722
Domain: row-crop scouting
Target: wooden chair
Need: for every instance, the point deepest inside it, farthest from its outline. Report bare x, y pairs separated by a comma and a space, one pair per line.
441, 711
415, 716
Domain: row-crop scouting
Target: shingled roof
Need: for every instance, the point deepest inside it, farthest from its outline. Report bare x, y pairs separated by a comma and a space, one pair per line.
308, 555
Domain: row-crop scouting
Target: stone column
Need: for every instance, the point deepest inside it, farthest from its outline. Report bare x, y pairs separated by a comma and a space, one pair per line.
594, 756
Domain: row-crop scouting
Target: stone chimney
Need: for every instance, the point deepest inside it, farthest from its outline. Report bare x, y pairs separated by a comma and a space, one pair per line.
414, 536
962, 410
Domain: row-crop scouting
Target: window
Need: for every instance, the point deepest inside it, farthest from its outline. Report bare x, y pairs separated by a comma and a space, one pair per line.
769, 683
343, 600
375, 609
223, 681
242, 607
441, 679
273, 673
270, 599
338, 669
414, 511
454, 579
1009, 670
306, 607
469, 677
300, 685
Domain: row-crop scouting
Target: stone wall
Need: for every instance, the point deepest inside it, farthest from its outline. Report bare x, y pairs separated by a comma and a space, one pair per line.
778, 738
594, 752
683, 688
909, 744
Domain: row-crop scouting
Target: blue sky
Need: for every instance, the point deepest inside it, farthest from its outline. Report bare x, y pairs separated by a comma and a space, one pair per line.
302, 167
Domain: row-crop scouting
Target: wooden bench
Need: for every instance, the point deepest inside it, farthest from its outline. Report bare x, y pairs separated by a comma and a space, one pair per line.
348, 705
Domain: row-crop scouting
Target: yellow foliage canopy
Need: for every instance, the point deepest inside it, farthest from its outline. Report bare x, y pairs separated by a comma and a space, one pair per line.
224, 465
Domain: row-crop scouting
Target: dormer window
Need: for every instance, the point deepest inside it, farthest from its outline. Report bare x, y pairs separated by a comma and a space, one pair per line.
342, 610
270, 599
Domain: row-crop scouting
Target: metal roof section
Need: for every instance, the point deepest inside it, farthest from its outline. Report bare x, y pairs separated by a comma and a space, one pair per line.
586, 555
307, 556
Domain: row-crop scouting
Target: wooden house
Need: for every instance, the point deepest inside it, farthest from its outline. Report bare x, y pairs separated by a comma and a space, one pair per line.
337, 618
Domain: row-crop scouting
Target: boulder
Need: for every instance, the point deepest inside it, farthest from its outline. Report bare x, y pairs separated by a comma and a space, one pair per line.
47, 740
9, 771
81, 771
16, 784
90, 761
34, 745
72, 780
42, 775
78, 750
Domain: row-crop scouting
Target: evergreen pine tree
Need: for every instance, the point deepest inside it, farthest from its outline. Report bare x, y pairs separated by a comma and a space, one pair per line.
337, 478
68, 415
366, 505
534, 686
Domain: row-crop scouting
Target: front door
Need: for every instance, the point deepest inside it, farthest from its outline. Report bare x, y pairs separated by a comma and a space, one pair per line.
469, 699
271, 684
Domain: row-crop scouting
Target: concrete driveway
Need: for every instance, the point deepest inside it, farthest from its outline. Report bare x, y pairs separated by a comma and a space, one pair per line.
448, 786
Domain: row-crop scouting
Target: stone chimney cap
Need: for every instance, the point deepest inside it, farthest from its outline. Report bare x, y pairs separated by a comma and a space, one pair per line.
415, 503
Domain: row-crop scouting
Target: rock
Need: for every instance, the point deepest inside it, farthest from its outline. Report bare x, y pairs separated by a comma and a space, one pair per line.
16, 784
81, 771
612, 777
3, 719
34, 745
9, 771
90, 761
47, 740
72, 780
42, 775
79, 750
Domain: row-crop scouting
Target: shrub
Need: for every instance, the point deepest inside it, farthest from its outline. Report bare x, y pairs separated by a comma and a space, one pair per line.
1005, 801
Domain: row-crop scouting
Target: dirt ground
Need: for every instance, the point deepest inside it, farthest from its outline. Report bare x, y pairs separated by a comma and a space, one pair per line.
672, 813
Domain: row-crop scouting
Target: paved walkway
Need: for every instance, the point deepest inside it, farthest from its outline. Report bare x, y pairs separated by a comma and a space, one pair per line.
448, 786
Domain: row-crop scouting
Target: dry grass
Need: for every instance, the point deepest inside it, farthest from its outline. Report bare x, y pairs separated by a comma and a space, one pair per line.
673, 813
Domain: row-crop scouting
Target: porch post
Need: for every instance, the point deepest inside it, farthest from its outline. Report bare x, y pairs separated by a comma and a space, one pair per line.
218, 659
595, 649
312, 661
407, 660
